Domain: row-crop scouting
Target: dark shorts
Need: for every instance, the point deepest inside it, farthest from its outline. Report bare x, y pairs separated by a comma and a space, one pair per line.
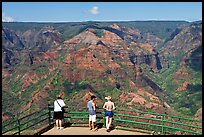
58, 115
109, 113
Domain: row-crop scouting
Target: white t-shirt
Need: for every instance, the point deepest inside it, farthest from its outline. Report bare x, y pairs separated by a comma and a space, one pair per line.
57, 108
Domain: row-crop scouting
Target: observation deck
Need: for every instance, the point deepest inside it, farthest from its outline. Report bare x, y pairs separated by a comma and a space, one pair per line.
125, 122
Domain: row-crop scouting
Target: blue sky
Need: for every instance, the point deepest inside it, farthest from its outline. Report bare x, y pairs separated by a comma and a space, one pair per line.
100, 11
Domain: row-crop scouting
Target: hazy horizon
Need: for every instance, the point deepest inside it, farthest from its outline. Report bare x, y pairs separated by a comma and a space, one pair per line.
101, 21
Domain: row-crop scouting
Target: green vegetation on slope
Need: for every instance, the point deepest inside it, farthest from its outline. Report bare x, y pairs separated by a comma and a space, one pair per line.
186, 102
162, 29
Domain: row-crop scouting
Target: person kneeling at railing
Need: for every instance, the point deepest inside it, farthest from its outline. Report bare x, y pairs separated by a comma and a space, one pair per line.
109, 106
59, 106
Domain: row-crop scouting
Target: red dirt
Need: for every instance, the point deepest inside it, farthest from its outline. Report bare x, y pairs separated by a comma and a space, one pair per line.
5, 73
110, 37
182, 74
4, 117
183, 87
88, 95
132, 84
85, 37
142, 92
135, 98
115, 26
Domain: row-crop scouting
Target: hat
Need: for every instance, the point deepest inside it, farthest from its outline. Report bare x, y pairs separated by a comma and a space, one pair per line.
108, 97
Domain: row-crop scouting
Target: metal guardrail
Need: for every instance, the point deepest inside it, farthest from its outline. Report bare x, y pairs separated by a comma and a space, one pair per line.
22, 123
128, 121
175, 122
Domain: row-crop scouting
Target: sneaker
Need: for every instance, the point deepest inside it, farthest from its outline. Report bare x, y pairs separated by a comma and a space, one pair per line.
58, 128
61, 128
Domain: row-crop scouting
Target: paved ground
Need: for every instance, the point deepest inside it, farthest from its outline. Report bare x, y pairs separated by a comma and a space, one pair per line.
86, 131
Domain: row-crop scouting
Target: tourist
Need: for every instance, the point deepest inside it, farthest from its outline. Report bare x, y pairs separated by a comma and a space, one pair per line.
108, 106
58, 113
92, 113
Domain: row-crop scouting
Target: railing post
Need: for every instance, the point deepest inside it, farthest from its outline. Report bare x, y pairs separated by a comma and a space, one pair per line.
18, 124
163, 132
49, 114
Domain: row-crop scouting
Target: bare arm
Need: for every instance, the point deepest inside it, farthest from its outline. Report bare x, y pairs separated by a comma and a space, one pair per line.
113, 106
104, 106
94, 106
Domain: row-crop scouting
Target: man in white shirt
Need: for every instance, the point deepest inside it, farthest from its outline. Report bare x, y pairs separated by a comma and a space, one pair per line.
58, 114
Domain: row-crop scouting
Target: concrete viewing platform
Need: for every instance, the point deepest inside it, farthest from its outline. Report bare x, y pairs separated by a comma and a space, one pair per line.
87, 131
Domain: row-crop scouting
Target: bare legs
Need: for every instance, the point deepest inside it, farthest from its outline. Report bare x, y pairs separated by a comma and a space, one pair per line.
108, 122
92, 121
91, 125
59, 123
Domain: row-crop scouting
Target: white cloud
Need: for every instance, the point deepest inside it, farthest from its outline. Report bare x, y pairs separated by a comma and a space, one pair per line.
6, 18
94, 10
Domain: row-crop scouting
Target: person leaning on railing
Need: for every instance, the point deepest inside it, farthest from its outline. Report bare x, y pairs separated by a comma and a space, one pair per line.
58, 113
91, 105
109, 106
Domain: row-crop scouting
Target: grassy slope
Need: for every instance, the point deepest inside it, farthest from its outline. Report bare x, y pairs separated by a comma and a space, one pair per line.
186, 102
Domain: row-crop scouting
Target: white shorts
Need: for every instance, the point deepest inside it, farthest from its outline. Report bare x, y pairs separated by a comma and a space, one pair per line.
92, 118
